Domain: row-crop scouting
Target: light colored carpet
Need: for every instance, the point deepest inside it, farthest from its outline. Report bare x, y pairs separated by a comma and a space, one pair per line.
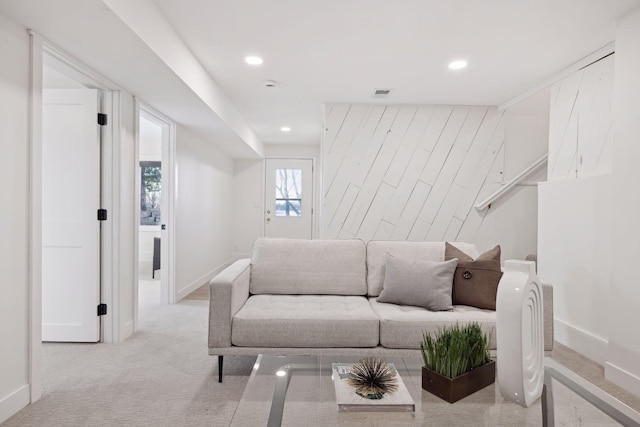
202, 293
163, 376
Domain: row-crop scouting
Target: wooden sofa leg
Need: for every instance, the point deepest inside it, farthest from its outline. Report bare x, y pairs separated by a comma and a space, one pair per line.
220, 360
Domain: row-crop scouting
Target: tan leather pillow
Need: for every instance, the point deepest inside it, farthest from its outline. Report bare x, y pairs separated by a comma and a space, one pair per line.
475, 282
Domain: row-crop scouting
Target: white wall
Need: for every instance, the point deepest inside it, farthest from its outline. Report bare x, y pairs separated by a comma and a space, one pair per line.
512, 221
248, 196
589, 227
204, 211
622, 366
526, 134
150, 140
574, 255
14, 193
414, 173
574, 227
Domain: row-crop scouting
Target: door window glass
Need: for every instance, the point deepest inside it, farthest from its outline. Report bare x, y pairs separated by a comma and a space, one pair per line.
288, 192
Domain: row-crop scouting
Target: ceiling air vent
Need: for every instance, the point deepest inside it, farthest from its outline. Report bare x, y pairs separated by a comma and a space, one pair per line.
381, 93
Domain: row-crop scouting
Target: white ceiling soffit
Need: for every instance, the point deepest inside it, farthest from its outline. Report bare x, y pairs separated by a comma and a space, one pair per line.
90, 31
151, 26
339, 51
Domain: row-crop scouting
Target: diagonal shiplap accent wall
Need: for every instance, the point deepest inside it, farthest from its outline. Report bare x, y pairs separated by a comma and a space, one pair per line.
581, 123
408, 172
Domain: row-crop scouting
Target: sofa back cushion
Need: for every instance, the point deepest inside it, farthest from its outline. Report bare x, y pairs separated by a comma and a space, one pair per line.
308, 267
410, 251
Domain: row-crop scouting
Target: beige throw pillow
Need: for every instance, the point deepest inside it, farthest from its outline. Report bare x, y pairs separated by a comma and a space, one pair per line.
424, 284
475, 282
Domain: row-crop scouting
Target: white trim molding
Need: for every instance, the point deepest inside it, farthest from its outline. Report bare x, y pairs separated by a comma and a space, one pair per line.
202, 280
578, 65
622, 378
15, 401
35, 211
584, 342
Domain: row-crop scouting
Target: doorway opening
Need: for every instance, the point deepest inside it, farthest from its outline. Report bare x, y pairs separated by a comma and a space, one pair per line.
150, 218
155, 179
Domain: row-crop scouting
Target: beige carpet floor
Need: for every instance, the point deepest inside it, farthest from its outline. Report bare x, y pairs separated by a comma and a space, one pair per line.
163, 376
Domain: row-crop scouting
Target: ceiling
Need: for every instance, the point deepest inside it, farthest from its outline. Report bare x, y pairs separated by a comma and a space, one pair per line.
332, 51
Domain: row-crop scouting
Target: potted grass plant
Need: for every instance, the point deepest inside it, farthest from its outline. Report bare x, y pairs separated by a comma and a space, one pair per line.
456, 361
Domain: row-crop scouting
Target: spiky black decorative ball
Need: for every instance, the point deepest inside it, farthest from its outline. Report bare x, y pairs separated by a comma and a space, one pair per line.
372, 378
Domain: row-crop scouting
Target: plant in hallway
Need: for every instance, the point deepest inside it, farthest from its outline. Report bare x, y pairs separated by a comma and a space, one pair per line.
456, 361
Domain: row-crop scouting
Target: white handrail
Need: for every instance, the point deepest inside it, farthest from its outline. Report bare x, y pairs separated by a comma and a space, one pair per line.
515, 181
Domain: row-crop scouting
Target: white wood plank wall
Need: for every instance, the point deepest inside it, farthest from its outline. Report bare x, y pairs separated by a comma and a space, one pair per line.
580, 123
408, 172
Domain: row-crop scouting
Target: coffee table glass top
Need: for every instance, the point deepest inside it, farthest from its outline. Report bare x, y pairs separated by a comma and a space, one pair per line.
309, 400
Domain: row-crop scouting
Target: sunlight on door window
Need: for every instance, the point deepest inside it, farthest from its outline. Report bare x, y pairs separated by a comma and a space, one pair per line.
288, 192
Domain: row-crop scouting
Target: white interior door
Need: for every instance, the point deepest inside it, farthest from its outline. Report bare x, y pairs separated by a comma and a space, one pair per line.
70, 230
288, 198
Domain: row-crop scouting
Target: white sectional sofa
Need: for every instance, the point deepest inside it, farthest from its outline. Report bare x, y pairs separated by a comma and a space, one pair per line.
319, 297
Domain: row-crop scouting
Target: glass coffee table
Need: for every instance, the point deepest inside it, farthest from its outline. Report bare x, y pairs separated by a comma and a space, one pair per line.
299, 391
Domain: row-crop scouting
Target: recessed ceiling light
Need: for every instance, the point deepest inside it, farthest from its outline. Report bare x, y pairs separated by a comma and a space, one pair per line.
253, 60
285, 129
457, 65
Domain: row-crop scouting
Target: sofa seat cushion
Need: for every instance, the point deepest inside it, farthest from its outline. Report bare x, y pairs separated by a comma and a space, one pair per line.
402, 326
305, 321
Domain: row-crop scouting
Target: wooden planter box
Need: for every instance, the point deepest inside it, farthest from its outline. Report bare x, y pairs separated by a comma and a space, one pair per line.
455, 389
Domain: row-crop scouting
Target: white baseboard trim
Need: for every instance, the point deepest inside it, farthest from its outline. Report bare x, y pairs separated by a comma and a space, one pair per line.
622, 378
201, 280
585, 343
12, 403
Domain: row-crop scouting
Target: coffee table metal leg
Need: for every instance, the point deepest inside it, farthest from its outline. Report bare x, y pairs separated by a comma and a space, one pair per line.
279, 394
220, 360
283, 377
589, 392
548, 418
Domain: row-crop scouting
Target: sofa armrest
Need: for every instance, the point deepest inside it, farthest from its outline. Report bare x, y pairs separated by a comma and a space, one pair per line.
547, 302
228, 292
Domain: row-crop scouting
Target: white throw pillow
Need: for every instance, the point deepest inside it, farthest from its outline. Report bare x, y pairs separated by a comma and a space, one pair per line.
426, 284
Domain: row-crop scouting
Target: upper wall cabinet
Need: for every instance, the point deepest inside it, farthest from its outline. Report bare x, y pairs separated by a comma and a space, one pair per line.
580, 123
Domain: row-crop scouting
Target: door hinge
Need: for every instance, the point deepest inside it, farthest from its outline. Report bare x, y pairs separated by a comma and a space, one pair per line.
102, 119
102, 309
102, 214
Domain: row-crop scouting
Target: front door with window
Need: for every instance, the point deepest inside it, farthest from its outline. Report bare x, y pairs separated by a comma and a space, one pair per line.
288, 198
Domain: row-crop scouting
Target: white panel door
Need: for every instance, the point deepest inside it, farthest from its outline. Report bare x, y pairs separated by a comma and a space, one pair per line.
288, 198
70, 230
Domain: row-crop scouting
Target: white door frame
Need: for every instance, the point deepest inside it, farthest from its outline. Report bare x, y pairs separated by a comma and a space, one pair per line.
167, 272
109, 234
